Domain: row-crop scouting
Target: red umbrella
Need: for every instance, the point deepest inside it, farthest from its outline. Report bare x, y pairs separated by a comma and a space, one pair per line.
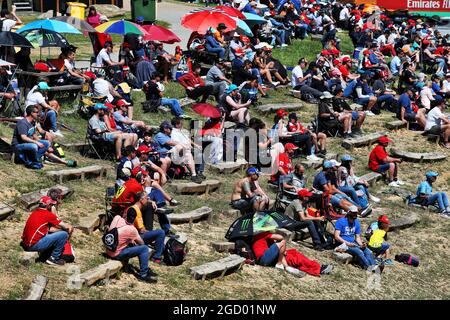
158, 33
203, 20
206, 110
232, 12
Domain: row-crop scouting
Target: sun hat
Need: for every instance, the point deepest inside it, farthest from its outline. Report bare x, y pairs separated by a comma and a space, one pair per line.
346, 157
231, 88
326, 95
43, 85
384, 219
430, 174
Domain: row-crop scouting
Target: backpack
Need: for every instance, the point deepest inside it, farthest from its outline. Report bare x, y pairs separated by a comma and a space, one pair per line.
111, 239
58, 150
243, 249
175, 252
68, 254
370, 229
151, 105
176, 172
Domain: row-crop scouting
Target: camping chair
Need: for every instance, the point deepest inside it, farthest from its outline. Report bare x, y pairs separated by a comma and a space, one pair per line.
98, 147
109, 212
283, 198
330, 131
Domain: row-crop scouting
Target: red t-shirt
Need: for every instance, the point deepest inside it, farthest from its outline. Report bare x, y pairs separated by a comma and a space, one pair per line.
284, 163
376, 156
37, 226
260, 244
296, 127
126, 194
345, 72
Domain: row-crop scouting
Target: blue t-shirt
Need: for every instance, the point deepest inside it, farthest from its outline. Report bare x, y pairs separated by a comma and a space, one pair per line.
119, 118
373, 58
435, 87
348, 231
320, 180
237, 64
405, 101
161, 139
424, 188
395, 65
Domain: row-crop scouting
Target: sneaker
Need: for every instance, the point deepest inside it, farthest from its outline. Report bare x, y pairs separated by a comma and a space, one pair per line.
388, 262
294, 271
318, 247
367, 211
184, 116
157, 260
201, 175
55, 262
279, 266
369, 113
148, 278
163, 109
72, 163
378, 261
57, 133
313, 157
284, 45
196, 179
173, 202
346, 136
394, 184
444, 214
374, 199
400, 182
276, 83
164, 210
326, 268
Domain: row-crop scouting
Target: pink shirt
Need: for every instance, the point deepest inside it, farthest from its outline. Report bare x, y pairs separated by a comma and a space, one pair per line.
94, 21
426, 96
127, 234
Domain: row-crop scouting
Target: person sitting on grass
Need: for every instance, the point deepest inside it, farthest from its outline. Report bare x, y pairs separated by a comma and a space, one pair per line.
148, 236
426, 197
231, 103
44, 231
348, 233
406, 112
377, 243
380, 161
438, 123
147, 140
284, 167
124, 123
319, 139
334, 120
194, 84
342, 107
297, 211
247, 194
130, 245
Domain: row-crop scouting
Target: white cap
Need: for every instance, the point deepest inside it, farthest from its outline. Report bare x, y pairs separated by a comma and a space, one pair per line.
334, 162
326, 95
103, 18
236, 34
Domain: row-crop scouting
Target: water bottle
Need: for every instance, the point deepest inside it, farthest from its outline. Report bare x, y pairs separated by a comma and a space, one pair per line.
15, 86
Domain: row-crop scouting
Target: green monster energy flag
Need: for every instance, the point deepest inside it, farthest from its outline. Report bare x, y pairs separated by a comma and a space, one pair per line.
254, 223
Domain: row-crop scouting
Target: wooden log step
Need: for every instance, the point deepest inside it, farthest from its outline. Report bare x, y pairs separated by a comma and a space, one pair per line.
6, 211
75, 146
371, 177
232, 213
301, 235
98, 273
69, 87
362, 141
228, 167
37, 288
88, 224
418, 157
191, 216
28, 258
217, 268
342, 257
223, 246
356, 107
311, 163
268, 108
404, 222
395, 125
196, 188
79, 173
6, 156
31, 199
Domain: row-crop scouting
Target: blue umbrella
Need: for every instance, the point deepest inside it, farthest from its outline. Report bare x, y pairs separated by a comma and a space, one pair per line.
52, 25
251, 17
243, 28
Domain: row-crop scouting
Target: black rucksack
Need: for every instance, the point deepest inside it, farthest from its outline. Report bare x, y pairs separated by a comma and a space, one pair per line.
111, 239
151, 105
243, 249
175, 252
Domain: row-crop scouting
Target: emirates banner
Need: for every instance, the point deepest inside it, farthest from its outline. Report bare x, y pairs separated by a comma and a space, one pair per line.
415, 5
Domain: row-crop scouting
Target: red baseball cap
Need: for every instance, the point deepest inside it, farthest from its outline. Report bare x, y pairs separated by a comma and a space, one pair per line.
384, 219
290, 146
334, 51
47, 200
304, 193
336, 62
384, 140
138, 169
109, 105
143, 149
346, 59
123, 102
325, 53
282, 113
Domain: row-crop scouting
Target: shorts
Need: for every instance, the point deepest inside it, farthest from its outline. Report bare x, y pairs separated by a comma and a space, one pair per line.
270, 256
383, 167
336, 199
380, 250
435, 130
410, 117
355, 115
243, 204
109, 136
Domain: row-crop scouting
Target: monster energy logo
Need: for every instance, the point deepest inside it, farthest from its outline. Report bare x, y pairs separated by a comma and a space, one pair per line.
245, 224
50, 37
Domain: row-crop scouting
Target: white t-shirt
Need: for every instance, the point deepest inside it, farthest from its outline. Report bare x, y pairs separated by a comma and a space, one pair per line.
180, 137
34, 98
445, 86
101, 88
344, 14
102, 56
381, 40
297, 72
69, 65
433, 118
8, 24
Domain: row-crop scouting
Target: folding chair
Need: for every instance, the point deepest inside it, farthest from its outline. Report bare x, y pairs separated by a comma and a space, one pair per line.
283, 198
98, 147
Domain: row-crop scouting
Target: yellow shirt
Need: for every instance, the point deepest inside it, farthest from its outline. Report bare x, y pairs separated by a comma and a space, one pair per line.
138, 222
377, 238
